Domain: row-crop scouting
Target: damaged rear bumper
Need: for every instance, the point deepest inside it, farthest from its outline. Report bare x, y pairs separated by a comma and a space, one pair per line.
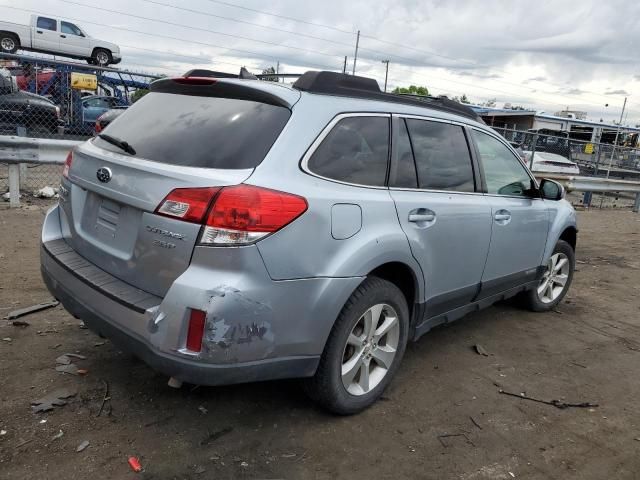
256, 328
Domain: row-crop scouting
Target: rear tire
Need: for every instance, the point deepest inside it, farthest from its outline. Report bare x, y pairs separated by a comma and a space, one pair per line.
364, 349
9, 43
555, 282
101, 57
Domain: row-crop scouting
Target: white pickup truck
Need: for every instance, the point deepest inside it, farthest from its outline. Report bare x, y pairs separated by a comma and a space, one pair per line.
57, 37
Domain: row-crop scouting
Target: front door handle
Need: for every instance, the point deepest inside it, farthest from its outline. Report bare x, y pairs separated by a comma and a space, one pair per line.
38, 31
63, 36
502, 216
422, 215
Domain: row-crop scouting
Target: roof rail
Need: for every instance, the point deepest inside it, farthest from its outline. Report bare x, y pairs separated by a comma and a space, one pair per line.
340, 84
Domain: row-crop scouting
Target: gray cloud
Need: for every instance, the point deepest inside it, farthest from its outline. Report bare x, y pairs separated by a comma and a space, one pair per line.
616, 92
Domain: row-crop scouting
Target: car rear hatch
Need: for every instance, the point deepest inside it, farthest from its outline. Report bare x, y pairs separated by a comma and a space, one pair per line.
186, 134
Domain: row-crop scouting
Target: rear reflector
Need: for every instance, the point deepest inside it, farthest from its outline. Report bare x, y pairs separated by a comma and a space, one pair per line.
195, 333
67, 165
188, 204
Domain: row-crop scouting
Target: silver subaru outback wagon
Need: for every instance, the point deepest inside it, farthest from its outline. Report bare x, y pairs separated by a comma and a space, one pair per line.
228, 230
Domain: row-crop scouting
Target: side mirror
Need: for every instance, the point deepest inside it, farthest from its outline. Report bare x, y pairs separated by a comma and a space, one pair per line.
551, 190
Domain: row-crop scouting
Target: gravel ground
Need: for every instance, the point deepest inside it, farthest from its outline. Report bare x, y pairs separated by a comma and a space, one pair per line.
443, 416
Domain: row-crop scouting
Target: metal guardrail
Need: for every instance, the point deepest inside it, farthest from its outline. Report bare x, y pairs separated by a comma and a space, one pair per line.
17, 151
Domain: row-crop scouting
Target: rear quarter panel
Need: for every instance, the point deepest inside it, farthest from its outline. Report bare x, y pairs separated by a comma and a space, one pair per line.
306, 248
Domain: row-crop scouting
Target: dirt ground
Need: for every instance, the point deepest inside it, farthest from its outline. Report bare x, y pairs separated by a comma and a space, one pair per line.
443, 417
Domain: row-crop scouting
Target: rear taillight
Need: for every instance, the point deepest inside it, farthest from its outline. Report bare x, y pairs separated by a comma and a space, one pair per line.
236, 215
188, 204
67, 165
195, 332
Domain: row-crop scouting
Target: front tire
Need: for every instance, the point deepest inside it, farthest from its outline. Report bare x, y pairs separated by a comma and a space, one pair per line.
9, 43
555, 282
364, 349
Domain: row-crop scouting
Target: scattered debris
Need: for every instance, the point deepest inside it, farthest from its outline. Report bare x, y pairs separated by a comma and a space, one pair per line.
6, 339
412, 449
105, 397
45, 192
20, 323
160, 421
203, 410
244, 464
480, 350
4, 432
449, 435
553, 403
56, 398
44, 420
71, 369
99, 344
63, 360
82, 446
288, 455
7, 196
512, 475
134, 463
58, 435
82, 326
578, 364
473, 420
23, 443
82, 371
32, 309
199, 469
211, 437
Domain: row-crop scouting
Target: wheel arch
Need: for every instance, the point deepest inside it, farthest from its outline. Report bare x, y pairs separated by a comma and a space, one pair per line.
570, 235
14, 35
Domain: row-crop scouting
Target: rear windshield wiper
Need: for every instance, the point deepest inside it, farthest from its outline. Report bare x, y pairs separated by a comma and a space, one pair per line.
121, 144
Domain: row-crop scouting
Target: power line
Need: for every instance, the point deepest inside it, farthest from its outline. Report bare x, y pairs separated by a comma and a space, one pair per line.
159, 35
191, 27
262, 12
231, 19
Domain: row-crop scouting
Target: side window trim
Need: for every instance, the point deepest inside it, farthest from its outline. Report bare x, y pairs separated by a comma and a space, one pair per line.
510, 148
327, 129
397, 123
478, 179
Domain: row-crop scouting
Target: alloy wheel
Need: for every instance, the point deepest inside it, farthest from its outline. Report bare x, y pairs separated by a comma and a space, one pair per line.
7, 44
370, 350
555, 278
102, 58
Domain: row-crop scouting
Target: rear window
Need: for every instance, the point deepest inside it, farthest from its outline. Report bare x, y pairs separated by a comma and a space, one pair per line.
196, 131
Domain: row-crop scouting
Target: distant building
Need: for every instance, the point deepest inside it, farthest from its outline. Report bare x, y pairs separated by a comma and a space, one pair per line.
577, 114
530, 120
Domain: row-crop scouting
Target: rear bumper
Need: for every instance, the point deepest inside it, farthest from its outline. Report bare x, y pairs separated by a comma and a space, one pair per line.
81, 299
256, 328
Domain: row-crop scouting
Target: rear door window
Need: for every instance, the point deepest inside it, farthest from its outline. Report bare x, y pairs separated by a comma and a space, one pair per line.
197, 131
355, 151
46, 23
442, 156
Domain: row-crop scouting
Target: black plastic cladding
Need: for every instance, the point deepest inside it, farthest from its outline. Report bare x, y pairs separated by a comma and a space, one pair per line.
331, 83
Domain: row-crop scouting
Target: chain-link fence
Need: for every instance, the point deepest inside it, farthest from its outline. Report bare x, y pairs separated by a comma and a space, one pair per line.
557, 153
56, 99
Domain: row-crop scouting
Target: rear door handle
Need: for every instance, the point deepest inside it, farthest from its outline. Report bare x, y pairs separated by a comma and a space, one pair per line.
63, 36
421, 215
502, 216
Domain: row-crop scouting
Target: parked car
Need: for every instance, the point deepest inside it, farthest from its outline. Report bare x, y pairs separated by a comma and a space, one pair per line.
18, 109
107, 117
229, 230
57, 37
546, 162
95, 105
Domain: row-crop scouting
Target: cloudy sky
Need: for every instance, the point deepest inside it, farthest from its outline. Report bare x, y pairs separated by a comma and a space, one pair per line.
545, 55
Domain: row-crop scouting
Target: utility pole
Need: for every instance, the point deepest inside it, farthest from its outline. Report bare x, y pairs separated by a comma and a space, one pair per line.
278, 71
386, 74
615, 142
355, 58
344, 68
613, 150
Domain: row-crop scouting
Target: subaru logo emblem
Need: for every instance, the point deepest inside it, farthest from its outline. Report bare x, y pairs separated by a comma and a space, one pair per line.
104, 174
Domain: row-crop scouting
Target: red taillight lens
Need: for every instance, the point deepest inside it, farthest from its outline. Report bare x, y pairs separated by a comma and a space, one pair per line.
197, 320
188, 204
244, 213
67, 165
235, 215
